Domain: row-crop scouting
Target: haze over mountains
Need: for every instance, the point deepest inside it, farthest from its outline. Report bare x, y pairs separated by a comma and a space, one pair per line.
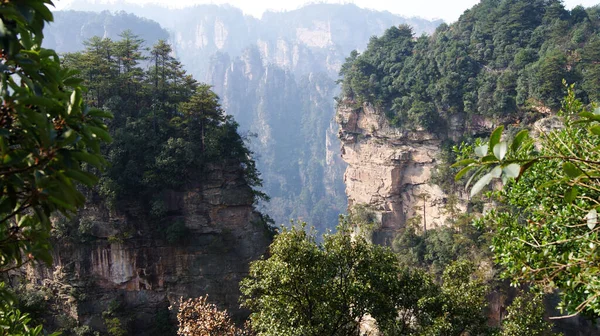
276, 75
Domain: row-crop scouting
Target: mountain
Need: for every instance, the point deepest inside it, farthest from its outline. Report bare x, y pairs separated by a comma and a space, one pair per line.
276, 75
71, 29
407, 105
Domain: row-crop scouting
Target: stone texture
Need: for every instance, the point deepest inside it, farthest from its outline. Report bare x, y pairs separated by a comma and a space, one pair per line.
390, 169
146, 274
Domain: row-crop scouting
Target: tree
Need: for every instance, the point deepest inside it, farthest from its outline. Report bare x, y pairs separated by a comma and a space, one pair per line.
49, 141
545, 231
306, 288
525, 316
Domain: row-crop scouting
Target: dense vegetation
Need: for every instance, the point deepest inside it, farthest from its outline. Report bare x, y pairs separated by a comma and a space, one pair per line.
167, 130
503, 58
545, 231
48, 141
310, 288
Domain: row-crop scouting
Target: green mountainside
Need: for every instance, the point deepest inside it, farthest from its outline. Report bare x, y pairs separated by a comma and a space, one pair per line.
502, 59
276, 75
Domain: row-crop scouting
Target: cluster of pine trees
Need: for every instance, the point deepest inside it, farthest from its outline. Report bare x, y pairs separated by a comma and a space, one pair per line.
166, 129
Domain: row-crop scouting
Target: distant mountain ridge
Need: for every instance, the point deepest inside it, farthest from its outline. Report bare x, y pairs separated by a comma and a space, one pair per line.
204, 29
277, 77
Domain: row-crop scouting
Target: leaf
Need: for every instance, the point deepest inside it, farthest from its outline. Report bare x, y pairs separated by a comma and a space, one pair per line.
496, 172
500, 150
81, 176
463, 163
483, 181
473, 177
571, 194
590, 115
525, 167
571, 170
496, 135
489, 158
99, 113
99, 132
481, 151
592, 219
512, 170
516, 144
462, 172
595, 129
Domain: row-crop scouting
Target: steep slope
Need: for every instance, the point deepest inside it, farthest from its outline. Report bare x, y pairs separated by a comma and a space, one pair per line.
277, 77
173, 215
405, 101
135, 277
71, 29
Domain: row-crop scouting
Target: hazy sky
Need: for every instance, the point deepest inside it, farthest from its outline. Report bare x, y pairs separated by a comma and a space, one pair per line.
449, 10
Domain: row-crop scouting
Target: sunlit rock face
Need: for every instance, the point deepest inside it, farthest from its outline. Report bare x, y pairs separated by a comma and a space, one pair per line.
275, 74
390, 170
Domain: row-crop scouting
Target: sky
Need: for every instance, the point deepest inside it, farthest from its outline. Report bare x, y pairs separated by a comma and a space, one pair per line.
448, 10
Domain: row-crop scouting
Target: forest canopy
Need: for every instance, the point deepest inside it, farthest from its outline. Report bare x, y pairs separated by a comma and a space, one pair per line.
503, 58
167, 129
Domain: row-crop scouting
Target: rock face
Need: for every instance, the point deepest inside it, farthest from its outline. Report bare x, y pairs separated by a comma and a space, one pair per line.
390, 170
143, 272
276, 75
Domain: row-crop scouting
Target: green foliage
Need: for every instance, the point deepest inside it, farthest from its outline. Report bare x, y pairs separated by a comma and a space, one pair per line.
546, 232
176, 232
48, 137
49, 145
168, 130
363, 219
114, 325
14, 323
500, 57
306, 288
436, 249
525, 316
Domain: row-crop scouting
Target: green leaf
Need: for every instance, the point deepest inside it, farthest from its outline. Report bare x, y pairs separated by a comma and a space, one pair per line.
496, 135
483, 181
571, 170
99, 113
500, 150
481, 151
462, 172
512, 170
595, 129
473, 176
102, 134
519, 138
463, 163
592, 219
83, 177
571, 194
496, 172
590, 115
489, 158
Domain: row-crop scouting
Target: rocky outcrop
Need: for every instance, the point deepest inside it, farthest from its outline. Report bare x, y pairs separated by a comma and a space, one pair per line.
129, 264
390, 169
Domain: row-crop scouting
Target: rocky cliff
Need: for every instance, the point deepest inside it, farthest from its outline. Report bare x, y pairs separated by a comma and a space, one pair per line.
276, 75
390, 169
123, 268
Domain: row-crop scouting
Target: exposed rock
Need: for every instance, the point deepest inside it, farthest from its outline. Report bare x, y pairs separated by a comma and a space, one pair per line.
390, 169
145, 273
